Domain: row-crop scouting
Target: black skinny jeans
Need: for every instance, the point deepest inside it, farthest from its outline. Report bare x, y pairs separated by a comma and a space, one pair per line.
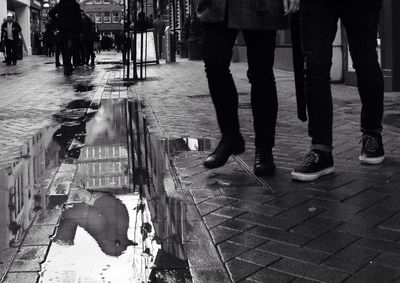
318, 22
218, 43
69, 47
11, 51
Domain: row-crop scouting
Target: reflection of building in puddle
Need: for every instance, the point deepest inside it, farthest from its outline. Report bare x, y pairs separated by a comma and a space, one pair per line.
23, 184
108, 124
103, 161
103, 167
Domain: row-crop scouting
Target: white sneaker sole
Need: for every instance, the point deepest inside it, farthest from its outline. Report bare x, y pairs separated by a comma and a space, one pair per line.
371, 160
311, 176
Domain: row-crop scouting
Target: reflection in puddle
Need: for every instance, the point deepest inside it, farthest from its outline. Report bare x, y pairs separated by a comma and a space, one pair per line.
191, 144
116, 225
95, 243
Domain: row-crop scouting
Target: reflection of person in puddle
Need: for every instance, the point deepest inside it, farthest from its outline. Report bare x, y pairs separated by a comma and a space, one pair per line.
103, 216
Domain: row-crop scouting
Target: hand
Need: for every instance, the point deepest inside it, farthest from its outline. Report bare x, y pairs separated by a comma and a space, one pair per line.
291, 6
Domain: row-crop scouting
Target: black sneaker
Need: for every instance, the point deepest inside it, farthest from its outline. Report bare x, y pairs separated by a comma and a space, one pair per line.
372, 149
316, 164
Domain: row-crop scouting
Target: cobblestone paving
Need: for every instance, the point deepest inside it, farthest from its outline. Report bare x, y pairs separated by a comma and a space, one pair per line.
344, 227
30, 93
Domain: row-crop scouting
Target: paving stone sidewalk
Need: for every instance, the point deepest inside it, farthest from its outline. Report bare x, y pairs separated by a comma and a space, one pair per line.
343, 227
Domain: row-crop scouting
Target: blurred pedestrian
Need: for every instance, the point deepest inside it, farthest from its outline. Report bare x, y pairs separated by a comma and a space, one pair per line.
159, 28
67, 15
258, 21
10, 30
3, 43
318, 24
89, 37
48, 41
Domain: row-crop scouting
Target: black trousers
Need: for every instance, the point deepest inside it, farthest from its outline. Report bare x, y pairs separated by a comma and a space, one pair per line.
218, 44
318, 22
69, 47
11, 51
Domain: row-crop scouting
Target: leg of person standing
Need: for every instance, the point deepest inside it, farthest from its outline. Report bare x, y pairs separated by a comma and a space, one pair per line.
218, 44
67, 45
14, 51
318, 24
264, 100
361, 22
9, 51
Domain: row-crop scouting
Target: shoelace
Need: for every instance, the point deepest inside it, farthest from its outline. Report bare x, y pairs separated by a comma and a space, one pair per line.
310, 158
370, 143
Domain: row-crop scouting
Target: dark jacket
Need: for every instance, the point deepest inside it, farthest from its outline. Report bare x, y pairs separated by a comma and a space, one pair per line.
67, 15
16, 29
89, 30
244, 14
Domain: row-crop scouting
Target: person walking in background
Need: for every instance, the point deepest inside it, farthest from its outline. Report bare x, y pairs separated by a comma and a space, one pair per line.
10, 30
318, 24
159, 28
89, 37
48, 41
67, 15
3, 43
258, 21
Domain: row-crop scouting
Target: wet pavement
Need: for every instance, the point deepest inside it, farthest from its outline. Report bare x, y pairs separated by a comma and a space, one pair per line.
115, 191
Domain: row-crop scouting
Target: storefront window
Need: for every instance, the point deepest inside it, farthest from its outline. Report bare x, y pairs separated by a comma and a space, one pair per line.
98, 18
115, 17
107, 17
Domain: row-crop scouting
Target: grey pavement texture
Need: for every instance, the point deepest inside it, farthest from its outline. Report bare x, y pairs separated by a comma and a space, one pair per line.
343, 227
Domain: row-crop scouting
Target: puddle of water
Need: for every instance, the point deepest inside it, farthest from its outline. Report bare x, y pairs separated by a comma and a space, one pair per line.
191, 144
117, 225
9, 74
115, 67
83, 87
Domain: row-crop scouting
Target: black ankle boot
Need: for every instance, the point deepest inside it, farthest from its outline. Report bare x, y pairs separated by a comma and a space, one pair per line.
264, 162
226, 147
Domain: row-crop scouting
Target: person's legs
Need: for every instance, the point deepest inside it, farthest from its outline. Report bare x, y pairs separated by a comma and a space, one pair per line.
264, 101
67, 40
318, 24
13, 51
361, 23
218, 44
9, 50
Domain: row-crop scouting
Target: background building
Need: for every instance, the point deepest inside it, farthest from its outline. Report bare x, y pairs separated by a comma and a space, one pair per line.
22, 13
107, 14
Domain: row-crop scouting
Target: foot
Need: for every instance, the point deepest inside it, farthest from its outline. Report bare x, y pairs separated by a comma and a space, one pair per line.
226, 147
316, 164
264, 162
372, 149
